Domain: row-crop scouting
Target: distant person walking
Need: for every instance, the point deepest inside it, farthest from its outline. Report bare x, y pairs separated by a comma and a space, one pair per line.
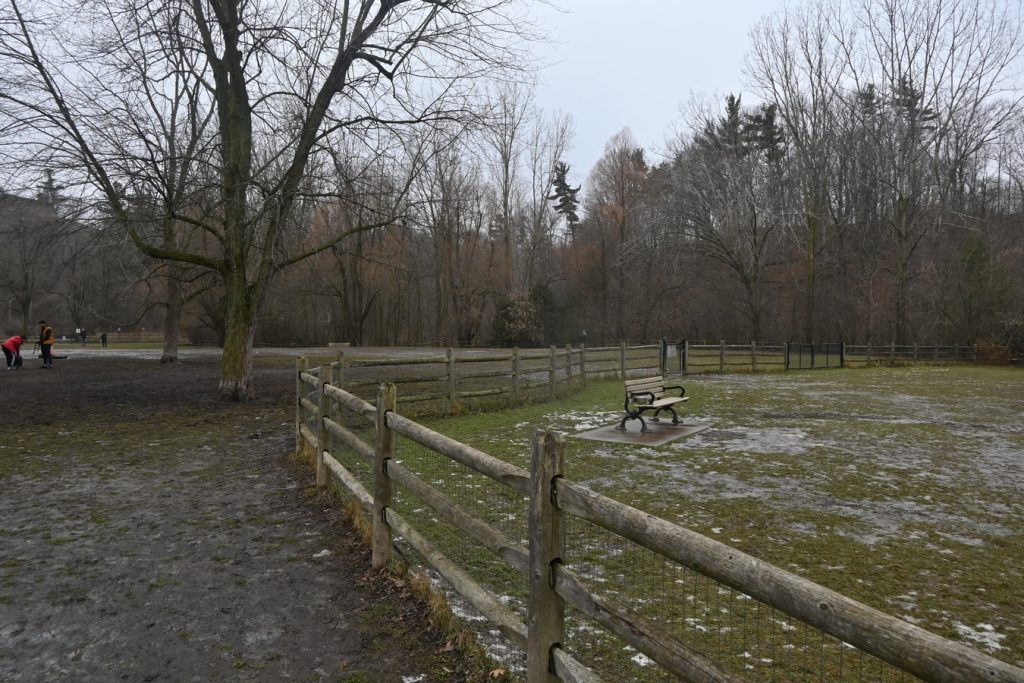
12, 350
46, 342
81, 334
103, 339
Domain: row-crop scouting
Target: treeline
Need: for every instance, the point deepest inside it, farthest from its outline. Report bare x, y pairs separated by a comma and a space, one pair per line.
869, 188
873, 193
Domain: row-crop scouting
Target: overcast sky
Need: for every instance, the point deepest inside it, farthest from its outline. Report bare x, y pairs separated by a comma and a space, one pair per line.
632, 63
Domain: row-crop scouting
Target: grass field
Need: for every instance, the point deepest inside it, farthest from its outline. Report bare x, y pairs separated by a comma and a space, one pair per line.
901, 488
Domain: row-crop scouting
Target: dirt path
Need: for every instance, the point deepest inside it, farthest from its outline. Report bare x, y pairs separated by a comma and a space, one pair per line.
149, 532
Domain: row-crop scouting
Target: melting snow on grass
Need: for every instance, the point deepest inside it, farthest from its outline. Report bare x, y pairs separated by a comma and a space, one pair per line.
756, 440
581, 420
983, 634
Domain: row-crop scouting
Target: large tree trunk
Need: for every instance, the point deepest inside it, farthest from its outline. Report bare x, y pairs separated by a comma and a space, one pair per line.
172, 314
26, 316
241, 307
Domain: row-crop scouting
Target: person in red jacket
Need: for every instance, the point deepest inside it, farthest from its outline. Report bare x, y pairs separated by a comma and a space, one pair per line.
12, 349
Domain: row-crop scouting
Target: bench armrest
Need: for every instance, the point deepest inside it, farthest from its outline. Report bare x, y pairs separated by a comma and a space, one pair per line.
682, 391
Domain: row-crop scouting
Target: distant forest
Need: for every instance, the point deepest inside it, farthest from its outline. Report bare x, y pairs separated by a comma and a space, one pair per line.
868, 187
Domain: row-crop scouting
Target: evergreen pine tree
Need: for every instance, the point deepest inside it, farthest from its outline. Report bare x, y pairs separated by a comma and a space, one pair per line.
564, 196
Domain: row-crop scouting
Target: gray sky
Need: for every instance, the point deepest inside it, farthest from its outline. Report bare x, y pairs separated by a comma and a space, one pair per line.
619, 63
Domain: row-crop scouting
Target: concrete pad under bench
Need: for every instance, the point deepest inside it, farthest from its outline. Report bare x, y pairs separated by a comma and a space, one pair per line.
657, 433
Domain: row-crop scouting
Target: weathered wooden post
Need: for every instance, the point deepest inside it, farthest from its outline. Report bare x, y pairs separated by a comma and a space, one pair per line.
935, 351
552, 371
721, 355
622, 360
663, 358
786, 357
451, 381
956, 352
753, 356
301, 364
339, 376
382, 489
869, 354
892, 353
975, 354
583, 362
812, 355
515, 371
568, 364
842, 354
322, 435
684, 363
915, 351
545, 621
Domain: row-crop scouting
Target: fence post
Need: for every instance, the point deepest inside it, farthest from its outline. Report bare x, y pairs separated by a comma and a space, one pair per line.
935, 351
322, 435
975, 354
956, 353
545, 621
622, 360
869, 355
583, 362
685, 362
721, 355
451, 380
786, 359
382, 489
842, 354
568, 364
339, 377
553, 371
515, 371
915, 351
663, 358
753, 356
892, 353
813, 366
301, 364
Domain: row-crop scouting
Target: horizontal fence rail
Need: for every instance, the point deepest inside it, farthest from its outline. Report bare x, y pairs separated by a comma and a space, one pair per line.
526, 530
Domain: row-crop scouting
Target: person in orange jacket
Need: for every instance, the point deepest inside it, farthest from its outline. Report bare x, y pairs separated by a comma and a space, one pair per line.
46, 341
12, 350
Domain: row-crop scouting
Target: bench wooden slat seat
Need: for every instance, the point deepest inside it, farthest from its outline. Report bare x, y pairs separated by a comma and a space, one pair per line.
650, 393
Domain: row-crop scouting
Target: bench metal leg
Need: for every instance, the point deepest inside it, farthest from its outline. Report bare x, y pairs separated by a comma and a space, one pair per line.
675, 417
632, 416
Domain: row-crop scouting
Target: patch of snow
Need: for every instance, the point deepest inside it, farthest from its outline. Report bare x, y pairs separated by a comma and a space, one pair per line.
983, 634
641, 659
322, 554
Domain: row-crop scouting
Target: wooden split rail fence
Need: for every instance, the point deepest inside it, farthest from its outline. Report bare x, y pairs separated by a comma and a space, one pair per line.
446, 380
693, 358
459, 375
330, 424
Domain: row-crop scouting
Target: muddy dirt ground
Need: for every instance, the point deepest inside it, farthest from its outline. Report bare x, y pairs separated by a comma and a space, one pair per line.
150, 532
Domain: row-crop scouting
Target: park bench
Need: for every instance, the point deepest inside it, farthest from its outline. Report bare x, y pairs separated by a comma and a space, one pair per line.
649, 393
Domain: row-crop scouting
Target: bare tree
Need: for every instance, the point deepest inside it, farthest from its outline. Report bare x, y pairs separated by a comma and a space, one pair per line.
612, 204
281, 84
728, 186
795, 65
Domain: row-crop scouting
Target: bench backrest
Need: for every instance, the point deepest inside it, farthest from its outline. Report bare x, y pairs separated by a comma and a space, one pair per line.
646, 385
